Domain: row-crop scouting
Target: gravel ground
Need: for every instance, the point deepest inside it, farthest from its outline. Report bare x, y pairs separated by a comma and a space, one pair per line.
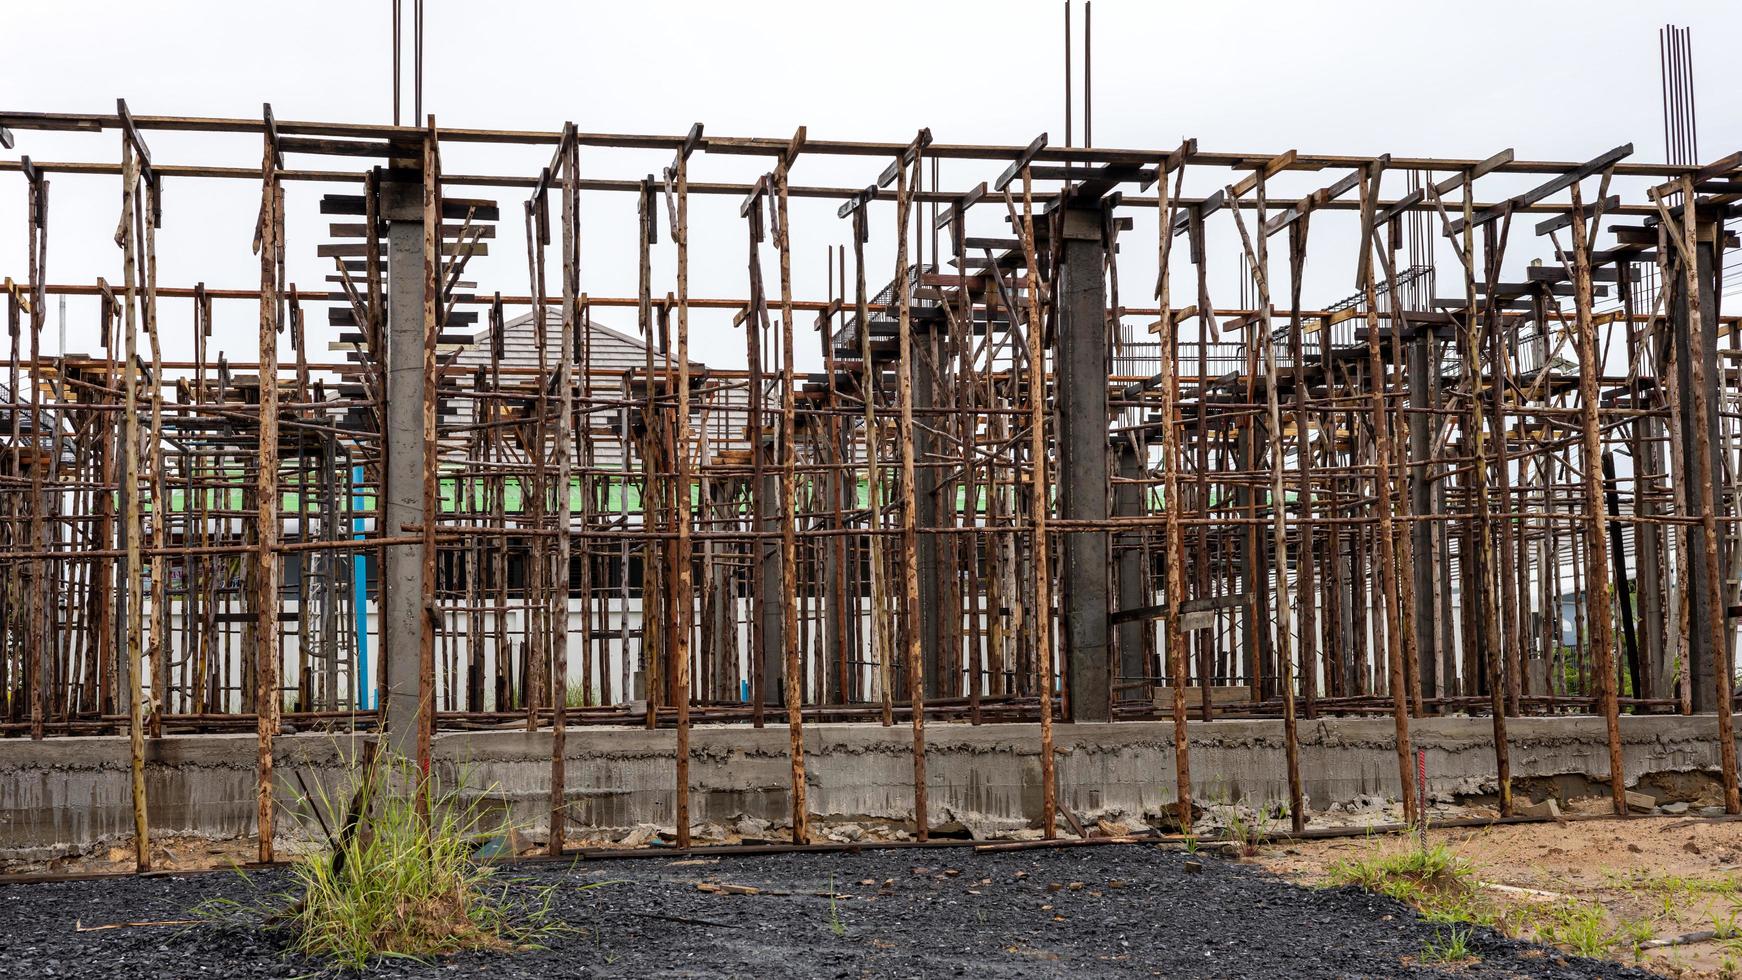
1119, 911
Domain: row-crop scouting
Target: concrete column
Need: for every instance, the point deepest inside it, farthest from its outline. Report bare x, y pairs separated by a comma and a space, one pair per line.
724, 654
402, 498
925, 499
1134, 591
1422, 366
1080, 385
838, 574
770, 604
1702, 659
1255, 651
1648, 557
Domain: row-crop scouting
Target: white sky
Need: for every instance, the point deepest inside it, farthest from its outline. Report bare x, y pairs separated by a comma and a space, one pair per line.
1554, 80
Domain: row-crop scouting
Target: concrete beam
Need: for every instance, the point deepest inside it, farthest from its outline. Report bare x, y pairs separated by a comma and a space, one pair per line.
71, 794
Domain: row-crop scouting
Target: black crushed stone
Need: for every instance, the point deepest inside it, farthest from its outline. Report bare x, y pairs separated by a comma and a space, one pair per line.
925, 914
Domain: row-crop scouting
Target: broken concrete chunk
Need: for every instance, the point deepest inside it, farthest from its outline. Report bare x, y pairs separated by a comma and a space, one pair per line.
751, 827
1548, 809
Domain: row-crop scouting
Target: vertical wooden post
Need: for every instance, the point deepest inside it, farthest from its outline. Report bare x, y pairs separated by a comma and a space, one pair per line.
682, 599
1259, 256
432, 266
1173, 505
1601, 587
1382, 497
130, 494
911, 627
1037, 502
880, 646
789, 516
1308, 560
147, 225
558, 597
266, 497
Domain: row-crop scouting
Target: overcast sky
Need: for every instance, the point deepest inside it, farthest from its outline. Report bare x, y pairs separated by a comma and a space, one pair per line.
1554, 80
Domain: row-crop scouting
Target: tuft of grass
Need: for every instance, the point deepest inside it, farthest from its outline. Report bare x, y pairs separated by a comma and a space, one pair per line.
1635, 932
1442, 887
1406, 875
836, 925
402, 884
1582, 927
1245, 834
1448, 947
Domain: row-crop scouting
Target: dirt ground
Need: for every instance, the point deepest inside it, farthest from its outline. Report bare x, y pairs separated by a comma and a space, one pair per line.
1136, 910
1651, 877
1630, 882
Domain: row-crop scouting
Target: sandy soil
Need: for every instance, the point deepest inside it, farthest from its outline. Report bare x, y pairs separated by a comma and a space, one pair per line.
1660, 876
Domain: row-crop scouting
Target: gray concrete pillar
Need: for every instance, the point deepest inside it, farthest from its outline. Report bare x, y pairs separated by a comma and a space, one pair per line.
1134, 587
1080, 385
402, 498
925, 498
838, 578
770, 603
1702, 659
1659, 672
1422, 367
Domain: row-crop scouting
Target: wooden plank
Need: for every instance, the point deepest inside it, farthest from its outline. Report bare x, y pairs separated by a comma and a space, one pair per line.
345, 316
1220, 695
1054, 172
1559, 221
453, 208
332, 146
357, 230
1274, 166
1447, 185
1724, 166
905, 158
332, 250
1318, 198
1552, 186
1208, 604
1023, 159
1180, 156
1210, 205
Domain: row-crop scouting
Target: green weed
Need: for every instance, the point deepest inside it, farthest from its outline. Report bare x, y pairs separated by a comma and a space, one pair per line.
1582, 927
836, 925
400, 884
1452, 947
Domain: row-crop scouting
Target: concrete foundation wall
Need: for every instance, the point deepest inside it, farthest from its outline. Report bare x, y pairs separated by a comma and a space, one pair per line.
69, 793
